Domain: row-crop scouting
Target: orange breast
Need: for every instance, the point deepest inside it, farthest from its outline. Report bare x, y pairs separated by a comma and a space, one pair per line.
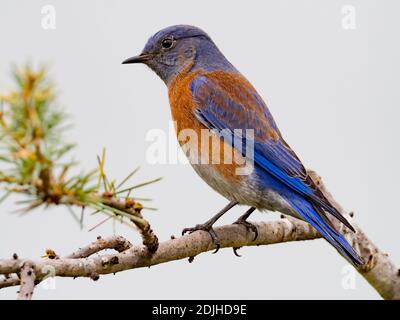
209, 148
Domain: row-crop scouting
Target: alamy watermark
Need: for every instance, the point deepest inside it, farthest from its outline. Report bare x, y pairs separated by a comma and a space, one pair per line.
349, 17
48, 21
202, 147
349, 277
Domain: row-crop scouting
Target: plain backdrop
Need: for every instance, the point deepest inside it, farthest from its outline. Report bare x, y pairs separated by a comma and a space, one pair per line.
334, 93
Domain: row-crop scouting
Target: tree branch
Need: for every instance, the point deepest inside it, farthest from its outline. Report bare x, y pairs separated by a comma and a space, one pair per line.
380, 272
231, 236
118, 243
9, 281
27, 281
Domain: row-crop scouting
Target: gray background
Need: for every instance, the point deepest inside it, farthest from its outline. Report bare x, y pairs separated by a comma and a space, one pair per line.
333, 92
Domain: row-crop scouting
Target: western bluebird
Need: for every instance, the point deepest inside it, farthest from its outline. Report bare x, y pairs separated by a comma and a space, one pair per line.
206, 92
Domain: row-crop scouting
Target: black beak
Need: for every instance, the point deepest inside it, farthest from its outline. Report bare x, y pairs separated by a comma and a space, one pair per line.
141, 58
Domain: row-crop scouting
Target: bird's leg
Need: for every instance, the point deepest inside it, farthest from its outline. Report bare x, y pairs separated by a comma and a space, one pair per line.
207, 226
243, 221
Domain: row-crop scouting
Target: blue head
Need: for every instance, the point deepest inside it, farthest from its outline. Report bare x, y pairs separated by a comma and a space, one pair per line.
180, 49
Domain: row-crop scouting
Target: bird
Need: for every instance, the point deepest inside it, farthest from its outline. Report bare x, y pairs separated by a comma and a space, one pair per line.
206, 92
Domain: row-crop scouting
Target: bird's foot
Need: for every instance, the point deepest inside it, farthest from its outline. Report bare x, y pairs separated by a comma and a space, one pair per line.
208, 228
235, 252
249, 226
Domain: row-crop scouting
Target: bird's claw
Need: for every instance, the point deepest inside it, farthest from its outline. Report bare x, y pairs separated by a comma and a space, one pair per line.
208, 228
235, 252
249, 226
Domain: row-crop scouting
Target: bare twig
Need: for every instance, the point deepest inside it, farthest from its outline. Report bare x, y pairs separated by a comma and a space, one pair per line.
149, 238
118, 243
9, 281
28, 277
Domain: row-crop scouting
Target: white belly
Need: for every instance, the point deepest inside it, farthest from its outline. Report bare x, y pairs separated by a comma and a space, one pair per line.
246, 193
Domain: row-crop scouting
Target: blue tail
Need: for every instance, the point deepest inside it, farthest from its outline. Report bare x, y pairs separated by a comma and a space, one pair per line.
310, 214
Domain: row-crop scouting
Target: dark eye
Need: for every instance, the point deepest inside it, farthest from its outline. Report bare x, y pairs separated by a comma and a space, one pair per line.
167, 43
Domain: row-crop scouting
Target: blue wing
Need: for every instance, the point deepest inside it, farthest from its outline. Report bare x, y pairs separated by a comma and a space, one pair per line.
222, 109
237, 105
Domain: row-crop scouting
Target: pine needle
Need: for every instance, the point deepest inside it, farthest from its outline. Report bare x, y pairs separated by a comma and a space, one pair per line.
139, 185
100, 223
127, 178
